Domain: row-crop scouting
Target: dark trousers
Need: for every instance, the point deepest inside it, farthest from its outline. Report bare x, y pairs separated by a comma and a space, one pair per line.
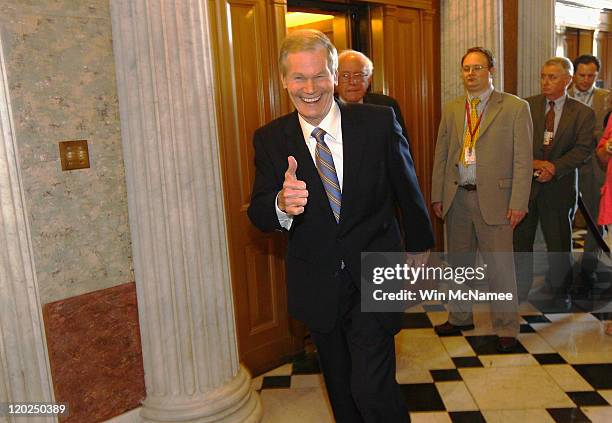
590, 179
556, 226
358, 362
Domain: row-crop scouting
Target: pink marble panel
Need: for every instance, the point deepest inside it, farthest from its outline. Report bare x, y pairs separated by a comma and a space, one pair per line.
95, 353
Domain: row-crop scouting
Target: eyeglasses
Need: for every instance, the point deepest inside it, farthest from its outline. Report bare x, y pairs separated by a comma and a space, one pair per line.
473, 68
356, 77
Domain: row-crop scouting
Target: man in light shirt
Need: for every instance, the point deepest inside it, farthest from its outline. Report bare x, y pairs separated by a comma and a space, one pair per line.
480, 187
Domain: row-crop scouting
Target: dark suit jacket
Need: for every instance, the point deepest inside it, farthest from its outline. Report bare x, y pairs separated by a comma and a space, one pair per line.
571, 147
378, 174
385, 100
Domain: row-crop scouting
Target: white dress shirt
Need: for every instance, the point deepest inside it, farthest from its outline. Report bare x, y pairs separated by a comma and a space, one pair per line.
585, 97
332, 125
559, 104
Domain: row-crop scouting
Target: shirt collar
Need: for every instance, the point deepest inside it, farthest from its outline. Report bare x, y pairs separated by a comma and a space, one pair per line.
329, 124
586, 93
559, 103
484, 97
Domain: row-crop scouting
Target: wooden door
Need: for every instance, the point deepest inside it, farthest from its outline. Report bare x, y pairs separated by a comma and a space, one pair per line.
246, 36
578, 41
405, 51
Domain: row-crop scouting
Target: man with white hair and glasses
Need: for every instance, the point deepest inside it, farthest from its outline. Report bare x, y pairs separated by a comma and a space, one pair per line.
562, 142
354, 77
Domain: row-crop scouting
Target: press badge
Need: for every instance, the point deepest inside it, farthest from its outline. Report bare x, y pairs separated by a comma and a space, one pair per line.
548, 138
470, 156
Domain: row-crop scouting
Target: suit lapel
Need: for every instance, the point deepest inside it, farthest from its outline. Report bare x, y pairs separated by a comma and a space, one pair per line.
493, 108
353, 139
306, 170
459, 111
599, 97
565, 121
537, 113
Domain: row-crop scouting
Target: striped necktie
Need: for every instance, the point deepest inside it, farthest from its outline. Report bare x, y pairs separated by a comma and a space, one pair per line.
327, 172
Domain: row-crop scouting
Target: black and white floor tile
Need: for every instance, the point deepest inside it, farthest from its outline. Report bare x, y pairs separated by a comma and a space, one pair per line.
561, 372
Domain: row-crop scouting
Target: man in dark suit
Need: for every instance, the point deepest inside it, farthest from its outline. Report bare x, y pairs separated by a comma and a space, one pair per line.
562, 139
331, 174
354, 77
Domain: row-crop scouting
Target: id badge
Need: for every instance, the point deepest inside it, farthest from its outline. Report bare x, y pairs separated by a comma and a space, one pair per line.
548, 138
470, 156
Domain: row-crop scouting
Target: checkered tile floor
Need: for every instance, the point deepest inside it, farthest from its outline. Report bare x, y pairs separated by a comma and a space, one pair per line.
561, 372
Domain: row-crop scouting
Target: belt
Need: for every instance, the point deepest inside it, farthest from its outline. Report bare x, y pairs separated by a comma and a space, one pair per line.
468, 187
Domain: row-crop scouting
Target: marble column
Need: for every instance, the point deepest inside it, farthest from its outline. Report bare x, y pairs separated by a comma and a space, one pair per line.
175, 201
24, 364
536, 42
466, 24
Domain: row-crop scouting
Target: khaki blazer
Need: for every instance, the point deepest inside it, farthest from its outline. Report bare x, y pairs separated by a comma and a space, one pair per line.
503, 156
601, 106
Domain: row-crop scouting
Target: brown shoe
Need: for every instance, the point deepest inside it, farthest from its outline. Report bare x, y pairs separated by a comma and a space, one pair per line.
506, 344
448, 329
609, 329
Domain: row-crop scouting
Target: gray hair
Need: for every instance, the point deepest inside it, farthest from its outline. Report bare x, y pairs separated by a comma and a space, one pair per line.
563, 62
369, 66
307, 40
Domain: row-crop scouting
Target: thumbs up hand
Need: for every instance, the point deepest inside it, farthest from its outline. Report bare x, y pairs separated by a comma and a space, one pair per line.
294, 195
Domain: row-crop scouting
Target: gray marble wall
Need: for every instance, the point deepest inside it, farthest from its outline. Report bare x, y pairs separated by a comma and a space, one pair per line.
536, 42
61, 78
465, 24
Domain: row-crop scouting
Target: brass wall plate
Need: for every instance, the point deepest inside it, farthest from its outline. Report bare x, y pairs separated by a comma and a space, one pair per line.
74, 154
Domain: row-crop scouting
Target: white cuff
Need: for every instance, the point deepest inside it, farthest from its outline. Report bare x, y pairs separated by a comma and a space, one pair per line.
284, 219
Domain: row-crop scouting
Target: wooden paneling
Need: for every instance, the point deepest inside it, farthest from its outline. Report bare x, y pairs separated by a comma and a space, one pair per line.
605, 55
262, 285
341, 33
405, 45
246, 36
571, 42
510, 46
585, 42
410, 4
431, 102
377, 50
578, 41
326, 27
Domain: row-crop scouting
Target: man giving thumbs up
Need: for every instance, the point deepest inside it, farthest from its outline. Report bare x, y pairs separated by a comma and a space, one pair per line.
332, 175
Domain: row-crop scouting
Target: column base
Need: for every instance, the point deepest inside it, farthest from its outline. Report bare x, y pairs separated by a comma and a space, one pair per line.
234, 402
